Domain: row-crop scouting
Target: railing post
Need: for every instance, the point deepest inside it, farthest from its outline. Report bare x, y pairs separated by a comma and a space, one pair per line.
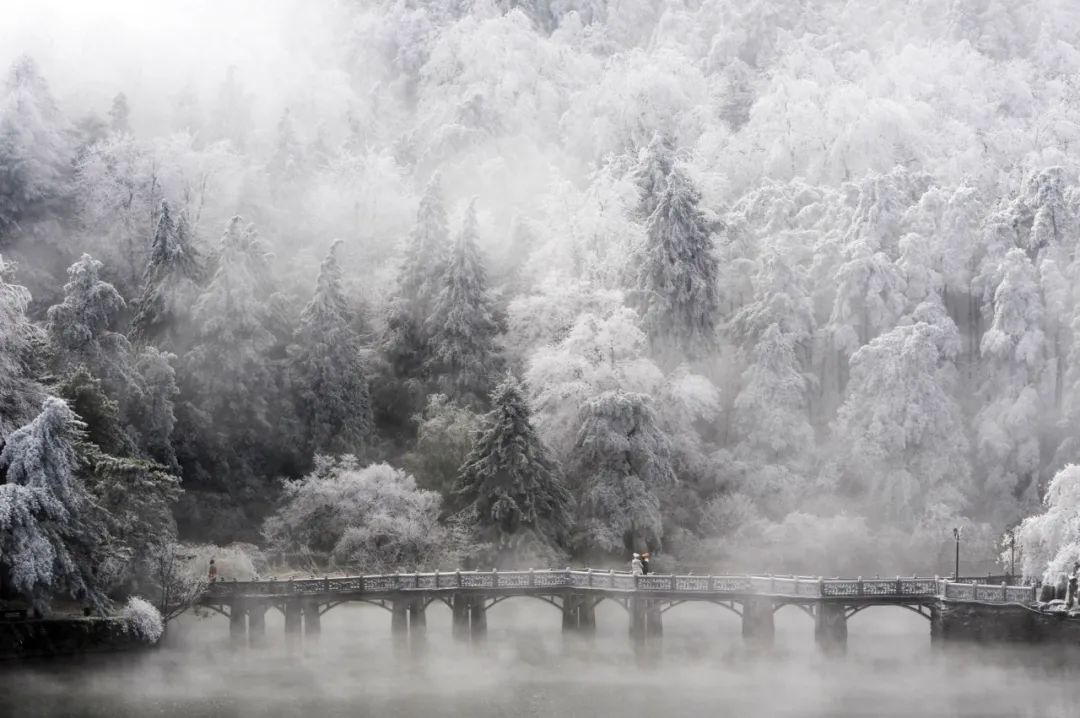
821, 585
1004, 592
494, 578
590, 578
858, 586
458, 572
711, 585
772, 584
899, 589
635, 581
532, 578
796, 585
363, 586
416, 579
436, 578
326, 584
673, 583
611, 578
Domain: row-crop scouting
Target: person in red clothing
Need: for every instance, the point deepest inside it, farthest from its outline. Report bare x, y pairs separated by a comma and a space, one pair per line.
213, 571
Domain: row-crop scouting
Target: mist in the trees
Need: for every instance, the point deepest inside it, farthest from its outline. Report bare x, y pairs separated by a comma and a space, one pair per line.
784, 286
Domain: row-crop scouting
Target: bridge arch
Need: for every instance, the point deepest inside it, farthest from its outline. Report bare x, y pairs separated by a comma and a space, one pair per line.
920, 609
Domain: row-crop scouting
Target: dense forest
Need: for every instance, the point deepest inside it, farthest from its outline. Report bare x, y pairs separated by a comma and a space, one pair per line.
754, 284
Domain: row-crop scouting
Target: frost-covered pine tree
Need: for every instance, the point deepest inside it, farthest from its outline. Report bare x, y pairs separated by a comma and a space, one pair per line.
510, 485
20, 394
655, 164
623, 460
170, 283
288, 162
48, 529
229, 364
119, 112
81, 328
153, 416
678, 278
426, 254
462, 328
328, 374
35, 149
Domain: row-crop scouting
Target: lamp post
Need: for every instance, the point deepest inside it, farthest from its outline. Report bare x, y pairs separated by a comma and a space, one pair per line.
1012, 554
956, 572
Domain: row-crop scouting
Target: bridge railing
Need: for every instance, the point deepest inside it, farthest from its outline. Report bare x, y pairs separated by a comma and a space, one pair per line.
786, 586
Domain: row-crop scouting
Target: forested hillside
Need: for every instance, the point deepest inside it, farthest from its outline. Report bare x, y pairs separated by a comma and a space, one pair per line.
755, 284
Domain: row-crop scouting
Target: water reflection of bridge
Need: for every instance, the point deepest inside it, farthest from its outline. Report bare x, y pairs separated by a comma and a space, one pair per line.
576, 594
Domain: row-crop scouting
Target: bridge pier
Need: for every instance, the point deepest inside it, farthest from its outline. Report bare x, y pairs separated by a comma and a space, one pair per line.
758, 628
478, 619
312, 622
257, 624
459, 607
654, 621
637, 621
417, 623
587, 617
399, 621
293, 614
238, 622
830, 628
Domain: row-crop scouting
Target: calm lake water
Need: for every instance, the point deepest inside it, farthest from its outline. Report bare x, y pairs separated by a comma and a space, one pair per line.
525, 669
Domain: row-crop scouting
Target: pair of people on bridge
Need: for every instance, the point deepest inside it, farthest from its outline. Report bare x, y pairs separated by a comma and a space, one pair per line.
639, 565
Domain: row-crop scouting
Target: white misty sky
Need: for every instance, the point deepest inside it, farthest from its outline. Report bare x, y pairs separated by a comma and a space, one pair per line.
152, 49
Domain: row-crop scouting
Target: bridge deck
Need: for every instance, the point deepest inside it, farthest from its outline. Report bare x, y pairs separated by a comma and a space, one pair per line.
792, 589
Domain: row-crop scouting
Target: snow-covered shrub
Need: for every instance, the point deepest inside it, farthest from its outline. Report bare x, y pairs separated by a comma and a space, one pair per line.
143, 620
374, 518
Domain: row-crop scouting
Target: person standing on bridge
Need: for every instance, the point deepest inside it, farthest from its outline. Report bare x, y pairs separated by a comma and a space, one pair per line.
635, 566
213, 571
645, 563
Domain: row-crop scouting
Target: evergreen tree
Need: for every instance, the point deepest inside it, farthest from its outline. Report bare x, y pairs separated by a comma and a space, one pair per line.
80, 328
287, 163
119, 113
678, 290
462, 326
509, 483
20, 394
623, 460
153, 417
329, 377
35, 150
655, 164
426, 254
170, 283
228, 366
50, 530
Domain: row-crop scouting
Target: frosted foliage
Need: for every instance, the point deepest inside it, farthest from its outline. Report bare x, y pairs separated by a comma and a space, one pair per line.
328, 373
372, 518
899, 433
81, 326
229, 356
34, 146
170, 281
462, 328
1016, 334
509, 483
42, 505
20, 395
142, 620
426, 253
623, 461
1050, 541
677, 282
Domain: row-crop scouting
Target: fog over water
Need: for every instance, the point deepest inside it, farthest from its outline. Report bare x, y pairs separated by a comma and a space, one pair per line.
525, 669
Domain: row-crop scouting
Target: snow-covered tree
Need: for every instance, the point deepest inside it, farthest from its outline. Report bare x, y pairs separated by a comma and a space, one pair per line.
328, 373
622, 460
20, 394
902, 448
510, 484
35, 150
287, 164
655, 164
49, 530
374, 517
426, 254
81, 328
119, 114
1009, 422
464, 358
1050, 541
170, 283
677, 286
444, 437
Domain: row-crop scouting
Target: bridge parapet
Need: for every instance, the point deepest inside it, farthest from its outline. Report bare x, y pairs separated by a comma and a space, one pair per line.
788, 587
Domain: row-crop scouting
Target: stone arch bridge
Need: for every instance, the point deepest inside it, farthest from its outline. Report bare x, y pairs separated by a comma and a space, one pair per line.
576, 594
